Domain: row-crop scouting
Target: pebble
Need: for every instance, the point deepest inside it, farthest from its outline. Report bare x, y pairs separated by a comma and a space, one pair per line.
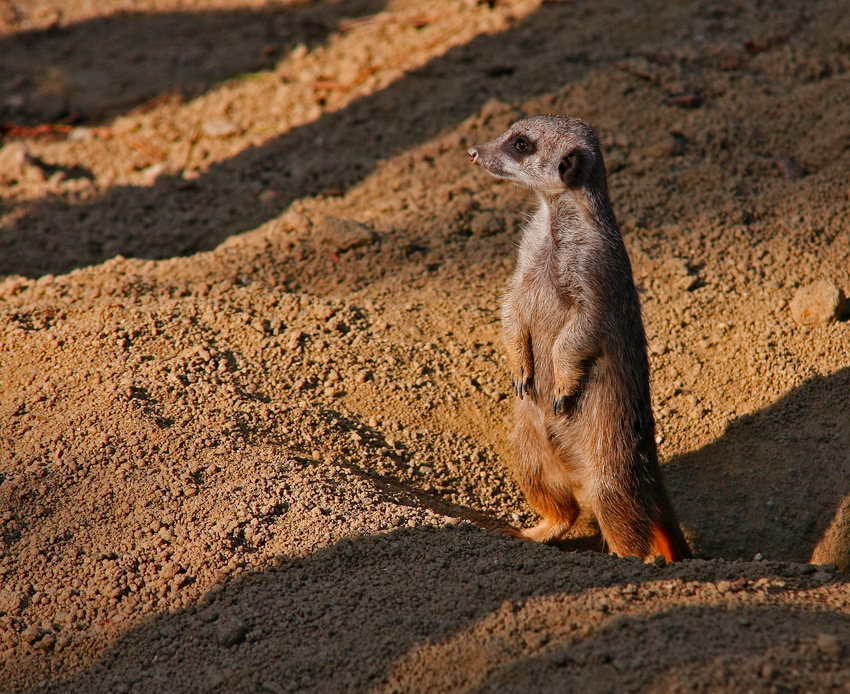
789, 168
10, 601
154, 171
819, 303
230, 632
830, 645
31, 634
13, 159
219, 127
486, 224
344, 234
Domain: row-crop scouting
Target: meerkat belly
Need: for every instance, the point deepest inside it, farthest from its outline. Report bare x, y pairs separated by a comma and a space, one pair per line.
559, 463
549, 313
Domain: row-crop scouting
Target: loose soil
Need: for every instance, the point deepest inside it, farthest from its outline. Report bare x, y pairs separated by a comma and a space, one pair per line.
253, 395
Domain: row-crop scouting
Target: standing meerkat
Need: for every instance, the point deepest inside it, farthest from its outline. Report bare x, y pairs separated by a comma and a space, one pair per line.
584, 434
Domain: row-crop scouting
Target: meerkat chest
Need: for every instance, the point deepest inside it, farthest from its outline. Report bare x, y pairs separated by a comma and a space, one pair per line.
544, 302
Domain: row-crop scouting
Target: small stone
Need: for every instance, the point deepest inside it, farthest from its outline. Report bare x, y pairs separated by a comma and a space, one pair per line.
31, 634
154, 171
830, 645
344, 234
219, 127
11, 602
230, 632
818, 304
789, 168
684, 100
63, 641
47, 642
723, 587
486, 224
208, 615
13, 159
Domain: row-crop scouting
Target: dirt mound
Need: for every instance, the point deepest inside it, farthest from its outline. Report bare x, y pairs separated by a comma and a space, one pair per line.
254, 398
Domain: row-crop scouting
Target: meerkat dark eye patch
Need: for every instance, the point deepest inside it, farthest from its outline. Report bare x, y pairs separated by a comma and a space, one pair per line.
520, 146
571, 167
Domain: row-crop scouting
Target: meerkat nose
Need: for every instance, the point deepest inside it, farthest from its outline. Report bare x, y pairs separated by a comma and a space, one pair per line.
473, 154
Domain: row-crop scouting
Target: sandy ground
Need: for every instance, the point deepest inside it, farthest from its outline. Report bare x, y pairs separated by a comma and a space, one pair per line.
253, 395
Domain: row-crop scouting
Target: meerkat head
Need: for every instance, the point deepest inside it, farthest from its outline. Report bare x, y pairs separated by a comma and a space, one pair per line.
549, 154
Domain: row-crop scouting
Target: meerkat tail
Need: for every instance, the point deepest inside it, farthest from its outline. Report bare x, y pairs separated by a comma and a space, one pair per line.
670, 543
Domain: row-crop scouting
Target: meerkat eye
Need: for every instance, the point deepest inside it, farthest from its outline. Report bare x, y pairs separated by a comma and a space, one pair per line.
519, 146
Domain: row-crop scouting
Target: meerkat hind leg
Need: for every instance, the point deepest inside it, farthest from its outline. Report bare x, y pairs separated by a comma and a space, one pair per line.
536, 462
547, 530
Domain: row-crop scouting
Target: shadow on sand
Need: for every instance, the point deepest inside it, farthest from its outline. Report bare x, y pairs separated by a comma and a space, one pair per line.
177, 217
105, 66
341, 619
774, 481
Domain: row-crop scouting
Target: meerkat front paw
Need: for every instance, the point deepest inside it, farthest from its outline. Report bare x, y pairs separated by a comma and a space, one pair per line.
563, 393
523, 382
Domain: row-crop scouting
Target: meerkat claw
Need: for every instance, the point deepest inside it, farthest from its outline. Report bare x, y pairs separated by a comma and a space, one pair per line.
522, 387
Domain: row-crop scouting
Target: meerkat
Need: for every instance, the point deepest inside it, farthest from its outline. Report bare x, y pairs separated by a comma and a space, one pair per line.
584, 433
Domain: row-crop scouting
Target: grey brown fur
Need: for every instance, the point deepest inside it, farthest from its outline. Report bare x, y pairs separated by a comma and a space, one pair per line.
584, 434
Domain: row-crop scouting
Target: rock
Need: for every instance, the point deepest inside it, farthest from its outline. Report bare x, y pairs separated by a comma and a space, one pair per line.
231, 631
208, 615
11, 602
47, 642
219, 127
830, 645
486, 224
151, 173
684, 100
13, 160
818, 304
789, 168
31, 634
344, 234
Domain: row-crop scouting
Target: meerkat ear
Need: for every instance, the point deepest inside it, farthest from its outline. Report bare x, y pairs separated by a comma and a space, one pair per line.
570, 168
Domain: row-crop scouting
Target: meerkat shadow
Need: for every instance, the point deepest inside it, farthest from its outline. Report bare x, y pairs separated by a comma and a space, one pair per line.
584, 537
777, 483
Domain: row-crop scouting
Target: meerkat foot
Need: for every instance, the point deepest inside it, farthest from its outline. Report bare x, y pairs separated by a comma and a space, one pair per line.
546, 531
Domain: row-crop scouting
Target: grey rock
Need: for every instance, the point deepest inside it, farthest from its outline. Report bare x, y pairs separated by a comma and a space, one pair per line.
229, 632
